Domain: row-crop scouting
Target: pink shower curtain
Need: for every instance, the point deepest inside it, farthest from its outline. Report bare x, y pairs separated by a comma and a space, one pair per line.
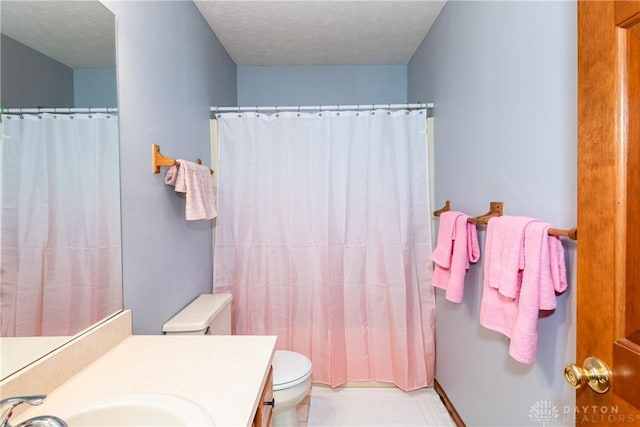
60, 224
323, 238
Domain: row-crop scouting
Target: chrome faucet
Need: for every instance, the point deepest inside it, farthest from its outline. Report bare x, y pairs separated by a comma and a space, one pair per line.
39, 421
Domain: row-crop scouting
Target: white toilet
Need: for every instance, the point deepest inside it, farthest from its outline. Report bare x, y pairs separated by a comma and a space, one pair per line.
210, 314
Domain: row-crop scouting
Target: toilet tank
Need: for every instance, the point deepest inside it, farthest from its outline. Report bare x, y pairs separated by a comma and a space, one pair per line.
209, 314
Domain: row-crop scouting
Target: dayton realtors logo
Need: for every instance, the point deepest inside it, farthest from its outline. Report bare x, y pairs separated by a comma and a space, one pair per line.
544, 411
600, 415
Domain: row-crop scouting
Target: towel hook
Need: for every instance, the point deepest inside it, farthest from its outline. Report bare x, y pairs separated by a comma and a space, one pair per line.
495, 209
445, 208
158, 160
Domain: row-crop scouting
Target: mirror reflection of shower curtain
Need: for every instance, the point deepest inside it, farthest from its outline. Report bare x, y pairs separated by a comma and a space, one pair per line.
323, 237
60, 200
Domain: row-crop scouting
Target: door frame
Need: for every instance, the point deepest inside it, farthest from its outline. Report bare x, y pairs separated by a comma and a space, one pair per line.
603, 220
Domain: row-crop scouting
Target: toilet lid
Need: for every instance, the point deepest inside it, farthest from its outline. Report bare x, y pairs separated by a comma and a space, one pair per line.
289, 369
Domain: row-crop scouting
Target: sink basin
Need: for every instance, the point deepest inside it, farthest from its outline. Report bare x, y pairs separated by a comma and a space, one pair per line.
137, 409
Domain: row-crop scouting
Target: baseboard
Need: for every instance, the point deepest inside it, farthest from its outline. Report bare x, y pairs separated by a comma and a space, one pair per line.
447, 403
360, 384
368, 384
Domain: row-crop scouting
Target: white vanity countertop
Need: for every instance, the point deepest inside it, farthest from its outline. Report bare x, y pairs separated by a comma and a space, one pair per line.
17, 352
223, 374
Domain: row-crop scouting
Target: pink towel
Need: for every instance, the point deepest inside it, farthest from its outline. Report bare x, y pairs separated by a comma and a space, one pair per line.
195, 181
543, 274
446, 235
457, 248
558, 265
171, 175
504, 253
536, 282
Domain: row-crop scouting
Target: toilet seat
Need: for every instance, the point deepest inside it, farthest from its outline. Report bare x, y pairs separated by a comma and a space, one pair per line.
289, 369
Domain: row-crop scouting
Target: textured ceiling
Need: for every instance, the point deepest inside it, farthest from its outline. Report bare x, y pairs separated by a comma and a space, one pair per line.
309, 32
79, 34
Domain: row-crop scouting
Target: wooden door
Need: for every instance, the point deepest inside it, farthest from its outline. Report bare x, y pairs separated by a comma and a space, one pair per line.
608, 294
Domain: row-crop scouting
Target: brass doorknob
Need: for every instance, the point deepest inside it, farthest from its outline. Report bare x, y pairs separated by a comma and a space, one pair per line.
595, 373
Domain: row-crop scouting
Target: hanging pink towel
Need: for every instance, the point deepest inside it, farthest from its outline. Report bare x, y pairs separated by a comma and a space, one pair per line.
543, 274
558, 271
171, 176
195, 181
457, 248
504, 253
441, 255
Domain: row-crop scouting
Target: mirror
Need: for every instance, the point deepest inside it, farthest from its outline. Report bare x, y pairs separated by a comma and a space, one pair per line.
61, 263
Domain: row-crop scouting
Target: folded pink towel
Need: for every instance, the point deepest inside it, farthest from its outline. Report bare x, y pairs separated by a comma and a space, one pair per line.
543, 274
457, 248
195, 181
558, 265
536, 282
504, 253
441, 255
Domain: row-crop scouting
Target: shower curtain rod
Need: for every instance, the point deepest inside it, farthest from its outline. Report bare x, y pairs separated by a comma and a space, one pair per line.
277, 108
57, 110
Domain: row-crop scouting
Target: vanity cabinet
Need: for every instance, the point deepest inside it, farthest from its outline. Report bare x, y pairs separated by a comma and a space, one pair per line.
264, 413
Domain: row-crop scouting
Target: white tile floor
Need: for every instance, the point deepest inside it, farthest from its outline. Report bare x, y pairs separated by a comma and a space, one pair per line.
372, 407
302, 411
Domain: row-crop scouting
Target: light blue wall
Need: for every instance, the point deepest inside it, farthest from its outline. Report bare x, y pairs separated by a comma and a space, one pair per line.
31, 79
313, 85
95, 87
171, 69
503, 79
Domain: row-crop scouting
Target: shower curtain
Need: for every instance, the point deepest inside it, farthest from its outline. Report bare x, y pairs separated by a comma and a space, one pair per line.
323, 238
60, 205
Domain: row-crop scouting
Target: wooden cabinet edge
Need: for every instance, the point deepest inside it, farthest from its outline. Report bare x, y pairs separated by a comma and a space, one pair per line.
264, 413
